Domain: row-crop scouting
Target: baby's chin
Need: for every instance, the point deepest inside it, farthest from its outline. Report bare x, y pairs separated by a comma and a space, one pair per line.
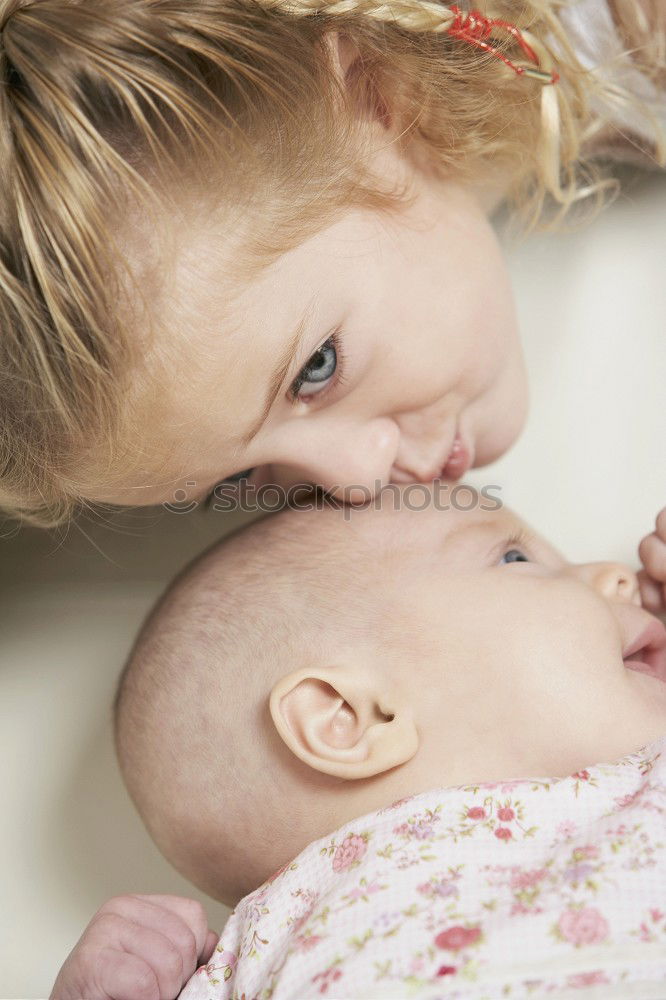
650, 687
637, 712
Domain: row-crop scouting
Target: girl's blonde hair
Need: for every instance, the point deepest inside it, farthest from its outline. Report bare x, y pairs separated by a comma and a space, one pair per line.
110, 108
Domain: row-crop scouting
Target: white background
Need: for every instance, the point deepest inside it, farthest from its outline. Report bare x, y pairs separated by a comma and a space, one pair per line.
589, 472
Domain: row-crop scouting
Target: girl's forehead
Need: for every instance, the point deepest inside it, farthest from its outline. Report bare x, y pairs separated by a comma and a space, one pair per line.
227, 335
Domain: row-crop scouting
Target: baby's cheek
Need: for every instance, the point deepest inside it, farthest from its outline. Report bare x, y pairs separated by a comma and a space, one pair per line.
569, 639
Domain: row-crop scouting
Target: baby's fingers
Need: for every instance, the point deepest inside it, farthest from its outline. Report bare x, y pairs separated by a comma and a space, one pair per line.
652, 578
212, 942
652, 551
126, 977
149, 960
183, 920
653, 596
660, 528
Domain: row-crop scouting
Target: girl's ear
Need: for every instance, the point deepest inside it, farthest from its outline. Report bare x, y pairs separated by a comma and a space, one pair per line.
343, 723
348, 68
343, 53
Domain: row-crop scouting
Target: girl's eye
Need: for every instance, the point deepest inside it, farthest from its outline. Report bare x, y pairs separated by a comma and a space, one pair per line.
318, 371
237, 476
229, 481
513, 555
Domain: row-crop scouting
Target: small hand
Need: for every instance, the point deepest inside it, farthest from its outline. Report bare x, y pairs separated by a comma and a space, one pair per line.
137, 947
652, 578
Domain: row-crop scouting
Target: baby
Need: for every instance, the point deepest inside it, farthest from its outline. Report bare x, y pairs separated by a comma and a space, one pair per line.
329, 706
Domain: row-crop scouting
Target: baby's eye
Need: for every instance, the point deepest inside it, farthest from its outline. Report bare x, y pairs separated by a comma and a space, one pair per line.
514, 555
317, 372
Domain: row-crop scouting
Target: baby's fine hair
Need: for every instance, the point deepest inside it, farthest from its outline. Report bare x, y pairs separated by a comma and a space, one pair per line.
111, 108
287, 590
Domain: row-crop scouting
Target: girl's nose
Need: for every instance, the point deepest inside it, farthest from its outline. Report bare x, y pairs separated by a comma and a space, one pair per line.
352, 460
614, 581
425, 441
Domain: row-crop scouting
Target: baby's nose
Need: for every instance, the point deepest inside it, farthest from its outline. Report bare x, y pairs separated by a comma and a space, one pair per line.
614, 581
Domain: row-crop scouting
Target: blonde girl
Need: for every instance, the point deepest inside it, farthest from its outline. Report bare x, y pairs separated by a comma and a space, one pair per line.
251, 236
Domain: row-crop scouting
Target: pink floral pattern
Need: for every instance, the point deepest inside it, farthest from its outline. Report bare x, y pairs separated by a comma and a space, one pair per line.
582, 925
348, 854
457, 938
518, 889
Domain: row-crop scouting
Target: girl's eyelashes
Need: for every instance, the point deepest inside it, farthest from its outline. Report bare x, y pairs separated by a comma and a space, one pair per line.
229, 481
322, 371
237, 476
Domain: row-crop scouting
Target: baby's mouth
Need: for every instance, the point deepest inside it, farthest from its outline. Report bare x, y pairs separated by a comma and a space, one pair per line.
647, 652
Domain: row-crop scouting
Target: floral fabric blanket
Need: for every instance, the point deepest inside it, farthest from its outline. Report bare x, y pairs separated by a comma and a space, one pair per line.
531, 888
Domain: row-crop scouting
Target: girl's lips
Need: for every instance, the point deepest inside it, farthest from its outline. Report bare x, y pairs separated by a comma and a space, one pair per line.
647, 652
459, 460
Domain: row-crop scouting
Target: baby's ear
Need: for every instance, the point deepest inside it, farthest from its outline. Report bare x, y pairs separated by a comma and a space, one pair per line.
343, 722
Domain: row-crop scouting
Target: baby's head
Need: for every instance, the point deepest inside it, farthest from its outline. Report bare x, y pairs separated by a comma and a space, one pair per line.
317, 665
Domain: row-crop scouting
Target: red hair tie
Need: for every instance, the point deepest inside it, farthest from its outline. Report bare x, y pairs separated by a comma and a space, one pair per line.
475, 29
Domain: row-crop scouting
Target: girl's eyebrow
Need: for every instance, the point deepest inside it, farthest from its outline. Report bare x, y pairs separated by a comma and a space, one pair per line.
280, 372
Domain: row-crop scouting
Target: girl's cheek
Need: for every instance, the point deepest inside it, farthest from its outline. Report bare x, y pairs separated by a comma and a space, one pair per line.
498, 418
